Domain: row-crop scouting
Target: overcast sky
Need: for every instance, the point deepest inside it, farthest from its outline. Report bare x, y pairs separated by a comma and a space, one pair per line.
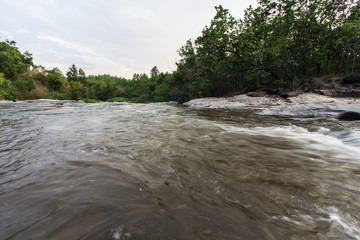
117, 37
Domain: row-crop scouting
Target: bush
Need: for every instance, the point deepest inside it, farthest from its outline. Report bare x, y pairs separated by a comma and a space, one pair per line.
53, 80
162, 93
88, 100
25, 83
7, 90
58, 95
76, 90
118, 99
38, 92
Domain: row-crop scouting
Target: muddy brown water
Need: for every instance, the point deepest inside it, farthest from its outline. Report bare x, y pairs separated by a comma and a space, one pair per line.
158, 171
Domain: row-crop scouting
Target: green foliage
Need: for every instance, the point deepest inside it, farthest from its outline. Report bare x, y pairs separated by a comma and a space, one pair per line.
162, 93
154, 73
54, 79
81, 76
58, 95
7, 90
118, 99
279, 42
88, 100
12, 61
25, 83
103, 87
76, 85
72, 74
296, 83
75, 75
254, 78
76, 90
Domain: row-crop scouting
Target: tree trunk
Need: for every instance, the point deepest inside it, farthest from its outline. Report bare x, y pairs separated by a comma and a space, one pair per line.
354, 58
341, 62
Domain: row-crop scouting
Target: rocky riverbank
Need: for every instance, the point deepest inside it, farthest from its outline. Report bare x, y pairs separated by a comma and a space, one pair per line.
306, 105
46, 101
330, 97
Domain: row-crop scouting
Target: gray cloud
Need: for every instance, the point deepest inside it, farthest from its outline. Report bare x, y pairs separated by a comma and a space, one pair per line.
108, 36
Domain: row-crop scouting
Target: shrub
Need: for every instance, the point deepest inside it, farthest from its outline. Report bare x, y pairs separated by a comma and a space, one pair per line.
88, 100
58, 95
7, 90
118, 99
38, 92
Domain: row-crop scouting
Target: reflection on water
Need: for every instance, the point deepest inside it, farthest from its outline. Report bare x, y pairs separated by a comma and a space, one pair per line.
102, 171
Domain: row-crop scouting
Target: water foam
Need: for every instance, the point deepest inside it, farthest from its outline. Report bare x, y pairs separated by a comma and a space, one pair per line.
345, 222
120, 234
337, 221
316, 141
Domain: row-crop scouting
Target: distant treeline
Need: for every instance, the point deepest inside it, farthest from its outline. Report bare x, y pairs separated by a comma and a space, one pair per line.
280, 42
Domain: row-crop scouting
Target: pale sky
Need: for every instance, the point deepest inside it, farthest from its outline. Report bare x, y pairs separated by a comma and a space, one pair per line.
116, 37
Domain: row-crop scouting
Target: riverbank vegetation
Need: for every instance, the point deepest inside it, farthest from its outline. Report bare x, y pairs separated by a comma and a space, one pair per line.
280, 43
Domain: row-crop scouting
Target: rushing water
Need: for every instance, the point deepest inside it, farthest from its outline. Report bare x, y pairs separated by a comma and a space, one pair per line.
156, 171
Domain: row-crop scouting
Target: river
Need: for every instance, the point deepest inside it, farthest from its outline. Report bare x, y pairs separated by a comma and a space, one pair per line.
162, 171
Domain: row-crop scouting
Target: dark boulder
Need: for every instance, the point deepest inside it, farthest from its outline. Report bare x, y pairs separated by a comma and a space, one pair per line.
352, 79
349, 116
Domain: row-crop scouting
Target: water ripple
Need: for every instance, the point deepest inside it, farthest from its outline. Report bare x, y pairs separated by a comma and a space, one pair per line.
127, 171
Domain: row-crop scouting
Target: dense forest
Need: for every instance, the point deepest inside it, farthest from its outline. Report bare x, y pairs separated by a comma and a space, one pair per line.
280, 43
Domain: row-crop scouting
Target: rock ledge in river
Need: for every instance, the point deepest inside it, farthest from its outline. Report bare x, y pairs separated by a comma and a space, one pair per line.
307, 105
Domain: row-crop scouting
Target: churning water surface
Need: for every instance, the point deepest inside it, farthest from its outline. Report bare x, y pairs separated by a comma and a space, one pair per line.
157, 171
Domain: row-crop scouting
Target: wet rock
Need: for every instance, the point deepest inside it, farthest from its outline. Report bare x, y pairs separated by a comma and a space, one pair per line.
256, 94
328, 92
349, 116
306, 105
294, 93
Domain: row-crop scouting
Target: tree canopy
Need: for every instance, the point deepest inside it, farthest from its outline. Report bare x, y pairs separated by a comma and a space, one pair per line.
280, 41
12, 61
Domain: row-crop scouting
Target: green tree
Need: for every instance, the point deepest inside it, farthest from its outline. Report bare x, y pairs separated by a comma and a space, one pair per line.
186, 70
54, 79
154, 73
12, 61
81, 76
72, 74
25, 81
278, 42
348, 41
76, 90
